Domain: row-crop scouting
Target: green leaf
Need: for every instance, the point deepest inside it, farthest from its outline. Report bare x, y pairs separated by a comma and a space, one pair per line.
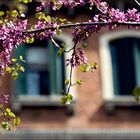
29, 39
84, 45
69, 98
14, 75
21, 68
17, 121
1, 21
83, 68
14, 60
60, 51
26, 1
8, 110
6, 125
79, 82
21, 58
47, 18
136, 93
14, 13
67, 82
1, 13
8, 70
11, 114
63, 100
62, 20
40, 15
59, 31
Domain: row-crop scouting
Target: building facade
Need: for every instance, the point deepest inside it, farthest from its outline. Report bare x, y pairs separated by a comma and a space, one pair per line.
104, 107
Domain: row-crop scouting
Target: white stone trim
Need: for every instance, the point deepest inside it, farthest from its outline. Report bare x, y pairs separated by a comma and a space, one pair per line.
105, 60
67, 39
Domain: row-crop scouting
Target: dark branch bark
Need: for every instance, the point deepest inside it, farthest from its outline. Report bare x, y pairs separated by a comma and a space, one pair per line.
72, 25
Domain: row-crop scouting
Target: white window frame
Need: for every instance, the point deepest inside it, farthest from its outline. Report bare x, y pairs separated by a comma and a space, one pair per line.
106, 67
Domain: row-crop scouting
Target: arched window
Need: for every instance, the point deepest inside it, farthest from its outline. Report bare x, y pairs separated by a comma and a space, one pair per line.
120, 65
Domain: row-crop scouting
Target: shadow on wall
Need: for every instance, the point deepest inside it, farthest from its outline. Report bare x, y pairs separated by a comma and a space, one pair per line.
49, 114
119, 115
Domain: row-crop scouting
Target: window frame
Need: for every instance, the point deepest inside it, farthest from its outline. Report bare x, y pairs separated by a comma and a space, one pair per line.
106, 68
52, 100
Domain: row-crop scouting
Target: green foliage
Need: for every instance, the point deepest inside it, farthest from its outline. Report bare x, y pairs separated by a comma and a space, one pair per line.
66, 99
14, 13
58, 31
10, 113
83, 68
10, 120
6, 125
79, 82
29, 40
15, 68
23, 1
1, 13
58, 6
67, 82
40, 15
47, 18
84, 45
17, 121
60, 51
88, 67
136, 93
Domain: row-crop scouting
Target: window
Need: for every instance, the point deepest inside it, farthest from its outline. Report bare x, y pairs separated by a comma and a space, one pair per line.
120, 66
125, 58
43, 80
45, 72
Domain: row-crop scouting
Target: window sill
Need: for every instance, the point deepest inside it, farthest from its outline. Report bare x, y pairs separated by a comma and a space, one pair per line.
123, 100
120, 101
38, 101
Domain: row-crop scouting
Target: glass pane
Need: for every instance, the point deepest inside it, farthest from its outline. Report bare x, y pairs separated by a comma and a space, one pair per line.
123, 65
44, 71
33, 83
44, 83
38, 77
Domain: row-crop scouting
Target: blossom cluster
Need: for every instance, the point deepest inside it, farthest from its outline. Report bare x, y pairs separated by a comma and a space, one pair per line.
10, 37
112, 18
4, 98
77, 58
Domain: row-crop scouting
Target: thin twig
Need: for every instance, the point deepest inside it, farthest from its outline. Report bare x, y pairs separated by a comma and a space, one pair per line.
55, 43
137, 2
67, 51
71, 71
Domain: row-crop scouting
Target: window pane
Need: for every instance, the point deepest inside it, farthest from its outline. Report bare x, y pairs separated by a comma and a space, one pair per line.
125, 64
44, 71
33, 83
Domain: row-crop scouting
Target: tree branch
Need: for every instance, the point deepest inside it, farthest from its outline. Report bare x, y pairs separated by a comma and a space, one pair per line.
72, 25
